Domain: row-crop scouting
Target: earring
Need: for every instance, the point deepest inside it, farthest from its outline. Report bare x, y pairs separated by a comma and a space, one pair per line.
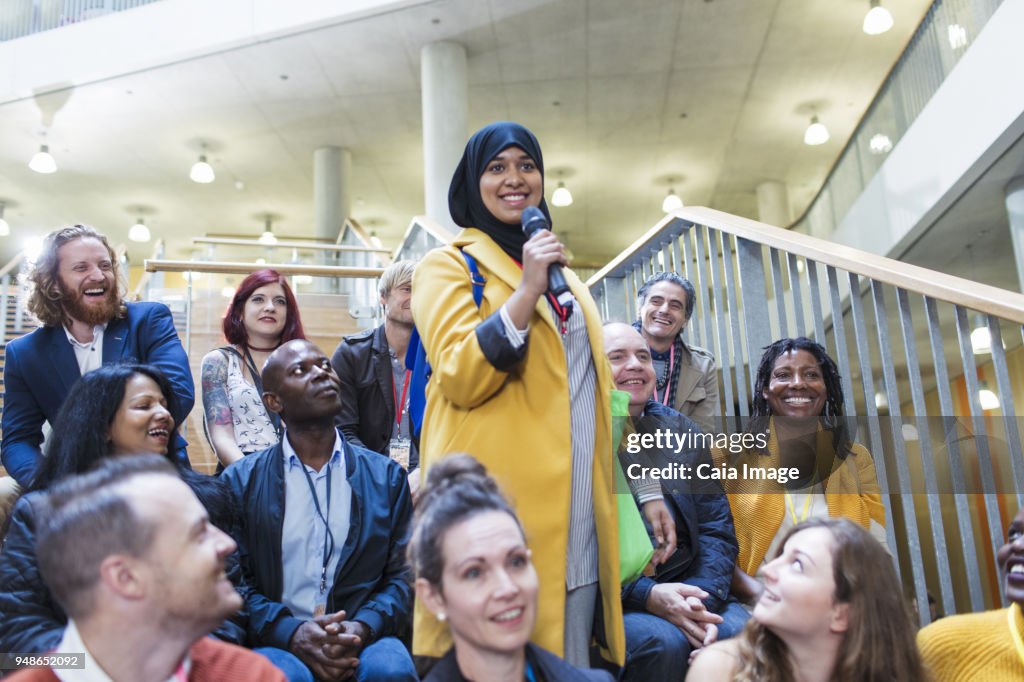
442, 616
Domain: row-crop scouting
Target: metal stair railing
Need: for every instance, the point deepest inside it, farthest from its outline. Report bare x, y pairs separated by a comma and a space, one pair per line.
756, 283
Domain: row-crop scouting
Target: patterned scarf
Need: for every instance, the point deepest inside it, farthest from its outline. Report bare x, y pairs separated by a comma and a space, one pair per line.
673, 381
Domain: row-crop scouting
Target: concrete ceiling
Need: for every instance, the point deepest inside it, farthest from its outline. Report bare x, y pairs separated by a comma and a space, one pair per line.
622, 95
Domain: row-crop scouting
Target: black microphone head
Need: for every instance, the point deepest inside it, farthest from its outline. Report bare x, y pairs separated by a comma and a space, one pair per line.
533, 219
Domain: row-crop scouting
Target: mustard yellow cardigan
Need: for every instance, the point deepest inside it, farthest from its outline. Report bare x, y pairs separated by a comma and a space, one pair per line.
758, 507
976, 647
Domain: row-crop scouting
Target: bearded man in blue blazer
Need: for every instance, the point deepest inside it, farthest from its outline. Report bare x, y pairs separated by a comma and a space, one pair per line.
76, 294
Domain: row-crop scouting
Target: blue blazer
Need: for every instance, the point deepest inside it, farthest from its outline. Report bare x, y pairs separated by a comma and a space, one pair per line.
41, 368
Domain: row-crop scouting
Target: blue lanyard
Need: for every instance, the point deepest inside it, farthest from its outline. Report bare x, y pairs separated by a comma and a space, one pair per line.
530, 676
328, 535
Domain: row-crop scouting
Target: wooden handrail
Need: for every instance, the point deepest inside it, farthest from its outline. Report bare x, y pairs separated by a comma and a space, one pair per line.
307, 246
231, 268
1008, 305
13, 263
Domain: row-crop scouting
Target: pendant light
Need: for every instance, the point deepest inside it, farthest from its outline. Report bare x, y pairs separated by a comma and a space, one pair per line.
202, 172
42, 161
816, 133
139, 232
562, 195
878, 20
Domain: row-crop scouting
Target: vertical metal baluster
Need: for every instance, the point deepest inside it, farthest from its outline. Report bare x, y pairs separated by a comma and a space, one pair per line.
780, 293
995, 521
877, 450
931, 485
1007, 408
800, 324
680, 267
963, 512
903, 481
813, 285
637, 283
666, 258
757, 329
707, 312
742, 386
838, 330
698, 275
720, 327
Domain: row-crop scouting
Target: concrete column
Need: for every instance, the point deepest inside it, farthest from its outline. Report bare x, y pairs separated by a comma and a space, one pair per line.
444, 96
332, 197
1015, 212
773, 203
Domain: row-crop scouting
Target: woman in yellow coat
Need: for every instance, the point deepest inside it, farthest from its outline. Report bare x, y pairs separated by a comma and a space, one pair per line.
522, 385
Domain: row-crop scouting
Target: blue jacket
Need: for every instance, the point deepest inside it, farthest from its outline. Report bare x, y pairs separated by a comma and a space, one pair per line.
41, 368
706, 540
373, 582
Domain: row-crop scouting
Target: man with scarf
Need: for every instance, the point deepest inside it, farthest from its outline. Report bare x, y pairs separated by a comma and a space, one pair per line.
686, 376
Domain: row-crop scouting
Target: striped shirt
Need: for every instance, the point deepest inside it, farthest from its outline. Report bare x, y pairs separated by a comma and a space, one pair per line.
581, 555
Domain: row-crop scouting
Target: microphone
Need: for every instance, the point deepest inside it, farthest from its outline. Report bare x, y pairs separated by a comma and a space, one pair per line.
533, 219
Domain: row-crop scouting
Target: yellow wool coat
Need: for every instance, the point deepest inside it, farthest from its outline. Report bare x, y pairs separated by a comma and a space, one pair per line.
516, 423
758, 507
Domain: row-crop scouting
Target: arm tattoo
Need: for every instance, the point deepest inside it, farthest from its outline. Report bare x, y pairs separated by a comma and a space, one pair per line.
215, 390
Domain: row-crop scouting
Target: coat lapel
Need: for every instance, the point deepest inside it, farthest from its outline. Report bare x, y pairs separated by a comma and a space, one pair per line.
688, 378
382, 368
63, 357
114, 338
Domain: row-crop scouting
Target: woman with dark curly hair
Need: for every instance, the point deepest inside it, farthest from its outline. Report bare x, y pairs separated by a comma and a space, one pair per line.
798, 412
262, 315
116, 410
832, 611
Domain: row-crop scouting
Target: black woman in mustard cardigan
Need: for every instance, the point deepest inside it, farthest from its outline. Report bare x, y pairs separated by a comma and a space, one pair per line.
798, 403
526, 390
988, 646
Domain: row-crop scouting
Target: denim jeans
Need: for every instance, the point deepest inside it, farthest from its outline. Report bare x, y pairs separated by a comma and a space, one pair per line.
387, 659
658, 650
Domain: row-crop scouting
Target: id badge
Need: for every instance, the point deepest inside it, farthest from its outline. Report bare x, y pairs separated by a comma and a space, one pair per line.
319, 610
398, 450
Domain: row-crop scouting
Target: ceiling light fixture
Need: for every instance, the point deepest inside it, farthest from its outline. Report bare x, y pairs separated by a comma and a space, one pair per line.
816, 133
878, 19
42, 162
981, 337
268, 238
562, 195
988, 398
139, 232
202, 172
5, 229
880, 144
671, 202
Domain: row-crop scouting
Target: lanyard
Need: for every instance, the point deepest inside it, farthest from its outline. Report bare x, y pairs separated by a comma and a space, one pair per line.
400, 406
328, 535
792, 508
1012, 614
530, 675
671, 366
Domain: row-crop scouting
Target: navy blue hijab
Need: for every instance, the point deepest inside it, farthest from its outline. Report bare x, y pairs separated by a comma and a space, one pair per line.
464, 201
